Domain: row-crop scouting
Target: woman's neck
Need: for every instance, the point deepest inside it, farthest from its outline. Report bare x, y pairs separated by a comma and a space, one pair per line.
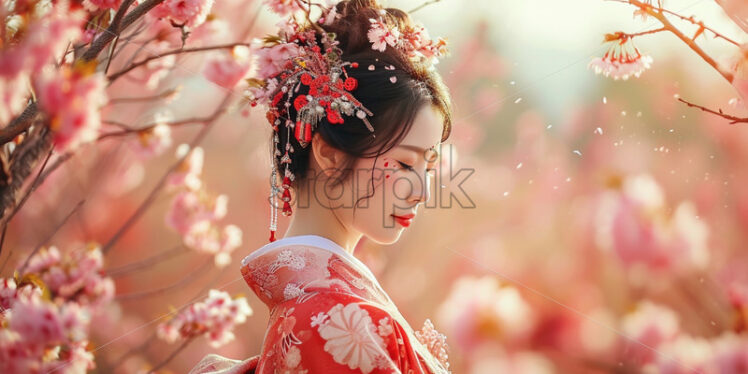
318, 220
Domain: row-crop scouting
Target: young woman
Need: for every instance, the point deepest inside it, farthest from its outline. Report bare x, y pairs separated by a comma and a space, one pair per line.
357, 119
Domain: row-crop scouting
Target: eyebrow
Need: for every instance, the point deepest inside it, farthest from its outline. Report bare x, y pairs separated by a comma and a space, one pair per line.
420, 149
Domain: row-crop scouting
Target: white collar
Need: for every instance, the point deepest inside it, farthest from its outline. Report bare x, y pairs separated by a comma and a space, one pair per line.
310, 240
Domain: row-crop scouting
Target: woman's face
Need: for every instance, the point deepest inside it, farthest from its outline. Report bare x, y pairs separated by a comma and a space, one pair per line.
401, 180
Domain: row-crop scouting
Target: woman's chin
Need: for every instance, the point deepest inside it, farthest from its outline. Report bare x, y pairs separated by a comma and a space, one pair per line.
387, 236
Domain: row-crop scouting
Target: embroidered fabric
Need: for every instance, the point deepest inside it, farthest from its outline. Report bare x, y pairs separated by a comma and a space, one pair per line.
328, 313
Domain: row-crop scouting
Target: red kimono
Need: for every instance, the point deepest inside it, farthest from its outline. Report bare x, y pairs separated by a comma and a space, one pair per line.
328, 314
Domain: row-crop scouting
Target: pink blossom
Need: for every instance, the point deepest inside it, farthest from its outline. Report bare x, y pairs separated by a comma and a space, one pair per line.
646, 328
213, 31
94, 5
155, 140
283, 7
270, 60
481, 309
191, 13
71, 98
731, 353
188, 173
684, 355
48, 37
381, 35
214, 318
227, 70
740, 69
41, 336
633, 223
622, 60
207, 237
157, 69
74, 277
192, 207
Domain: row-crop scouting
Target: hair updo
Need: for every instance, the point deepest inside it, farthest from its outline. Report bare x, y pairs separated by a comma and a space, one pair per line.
394, 105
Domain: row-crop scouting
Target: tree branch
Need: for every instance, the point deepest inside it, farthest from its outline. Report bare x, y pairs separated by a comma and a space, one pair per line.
733, 119
146, 60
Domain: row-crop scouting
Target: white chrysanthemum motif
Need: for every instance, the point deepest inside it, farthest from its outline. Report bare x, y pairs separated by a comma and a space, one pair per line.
288, 258
622, 60
292, 291
352, 338
293, 357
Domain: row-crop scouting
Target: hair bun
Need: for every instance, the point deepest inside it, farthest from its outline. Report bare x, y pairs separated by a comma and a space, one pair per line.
351, 25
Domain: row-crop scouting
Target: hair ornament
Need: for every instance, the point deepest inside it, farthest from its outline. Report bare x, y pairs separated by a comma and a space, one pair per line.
303, 54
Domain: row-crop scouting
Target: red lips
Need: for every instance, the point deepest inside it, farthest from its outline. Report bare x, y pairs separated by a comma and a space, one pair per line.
404, 219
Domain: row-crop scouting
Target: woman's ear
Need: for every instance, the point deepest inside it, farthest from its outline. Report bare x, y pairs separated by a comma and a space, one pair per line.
328, 157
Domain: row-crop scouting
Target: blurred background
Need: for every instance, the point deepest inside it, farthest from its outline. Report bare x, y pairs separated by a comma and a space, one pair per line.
606, 225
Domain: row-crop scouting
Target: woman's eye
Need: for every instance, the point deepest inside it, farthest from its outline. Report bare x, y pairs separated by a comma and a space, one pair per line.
406, 166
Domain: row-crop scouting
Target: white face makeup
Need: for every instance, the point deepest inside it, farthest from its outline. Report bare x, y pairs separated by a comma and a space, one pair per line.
401, 181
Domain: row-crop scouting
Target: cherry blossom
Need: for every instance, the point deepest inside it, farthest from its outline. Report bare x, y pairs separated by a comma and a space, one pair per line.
214, 318
283, 7
188, 173
622, 60
94, 5
73, 277
381, 35
155, 140
226, 70
191, 13
648, 326
71, 97
633, 224
481, 309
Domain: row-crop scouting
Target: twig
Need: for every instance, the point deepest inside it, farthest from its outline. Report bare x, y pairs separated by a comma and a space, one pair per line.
661, 29
144, 61
701, 25
190, 277
171, 356
162, 95
135, 266
657, 13
50, 236
427, 3
152, 195
25, 197
119, 23
127, 130
718, 112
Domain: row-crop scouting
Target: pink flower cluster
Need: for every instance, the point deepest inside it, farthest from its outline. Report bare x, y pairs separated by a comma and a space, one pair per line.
46, 36
633, 223
226, 70
283, 7
487, 311
155, 140
194, 213
190, 13
76, 277
622, 60
414, 41
435, 341
94, 5
38, 336
71, 97
215, 317
658, 345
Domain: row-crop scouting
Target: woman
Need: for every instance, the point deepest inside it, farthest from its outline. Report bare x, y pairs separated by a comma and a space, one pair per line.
357, 117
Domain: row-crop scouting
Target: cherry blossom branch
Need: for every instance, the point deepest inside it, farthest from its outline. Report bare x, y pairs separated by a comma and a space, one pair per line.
166, 94
660, 16
127, 130
50, 236
171, 356
118, 24
701, 25
661, 29
138, 295
162, 182
146, 60
425, 4
23, 160
733, 119
142, 264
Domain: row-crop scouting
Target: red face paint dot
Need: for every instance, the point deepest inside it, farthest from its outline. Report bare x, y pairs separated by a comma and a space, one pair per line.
387, 176
386, 163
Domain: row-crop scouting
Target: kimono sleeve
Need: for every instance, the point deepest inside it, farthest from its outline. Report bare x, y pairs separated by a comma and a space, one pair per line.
334, 335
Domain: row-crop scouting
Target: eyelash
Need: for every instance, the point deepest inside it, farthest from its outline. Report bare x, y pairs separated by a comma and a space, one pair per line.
406, 166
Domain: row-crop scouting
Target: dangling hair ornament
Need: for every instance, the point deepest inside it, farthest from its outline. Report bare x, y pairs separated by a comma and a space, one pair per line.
294, 58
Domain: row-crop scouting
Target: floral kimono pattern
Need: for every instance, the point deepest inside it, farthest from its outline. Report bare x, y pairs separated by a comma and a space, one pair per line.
328, 314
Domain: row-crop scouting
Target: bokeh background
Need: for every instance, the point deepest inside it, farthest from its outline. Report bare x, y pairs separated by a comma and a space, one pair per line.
605, 229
